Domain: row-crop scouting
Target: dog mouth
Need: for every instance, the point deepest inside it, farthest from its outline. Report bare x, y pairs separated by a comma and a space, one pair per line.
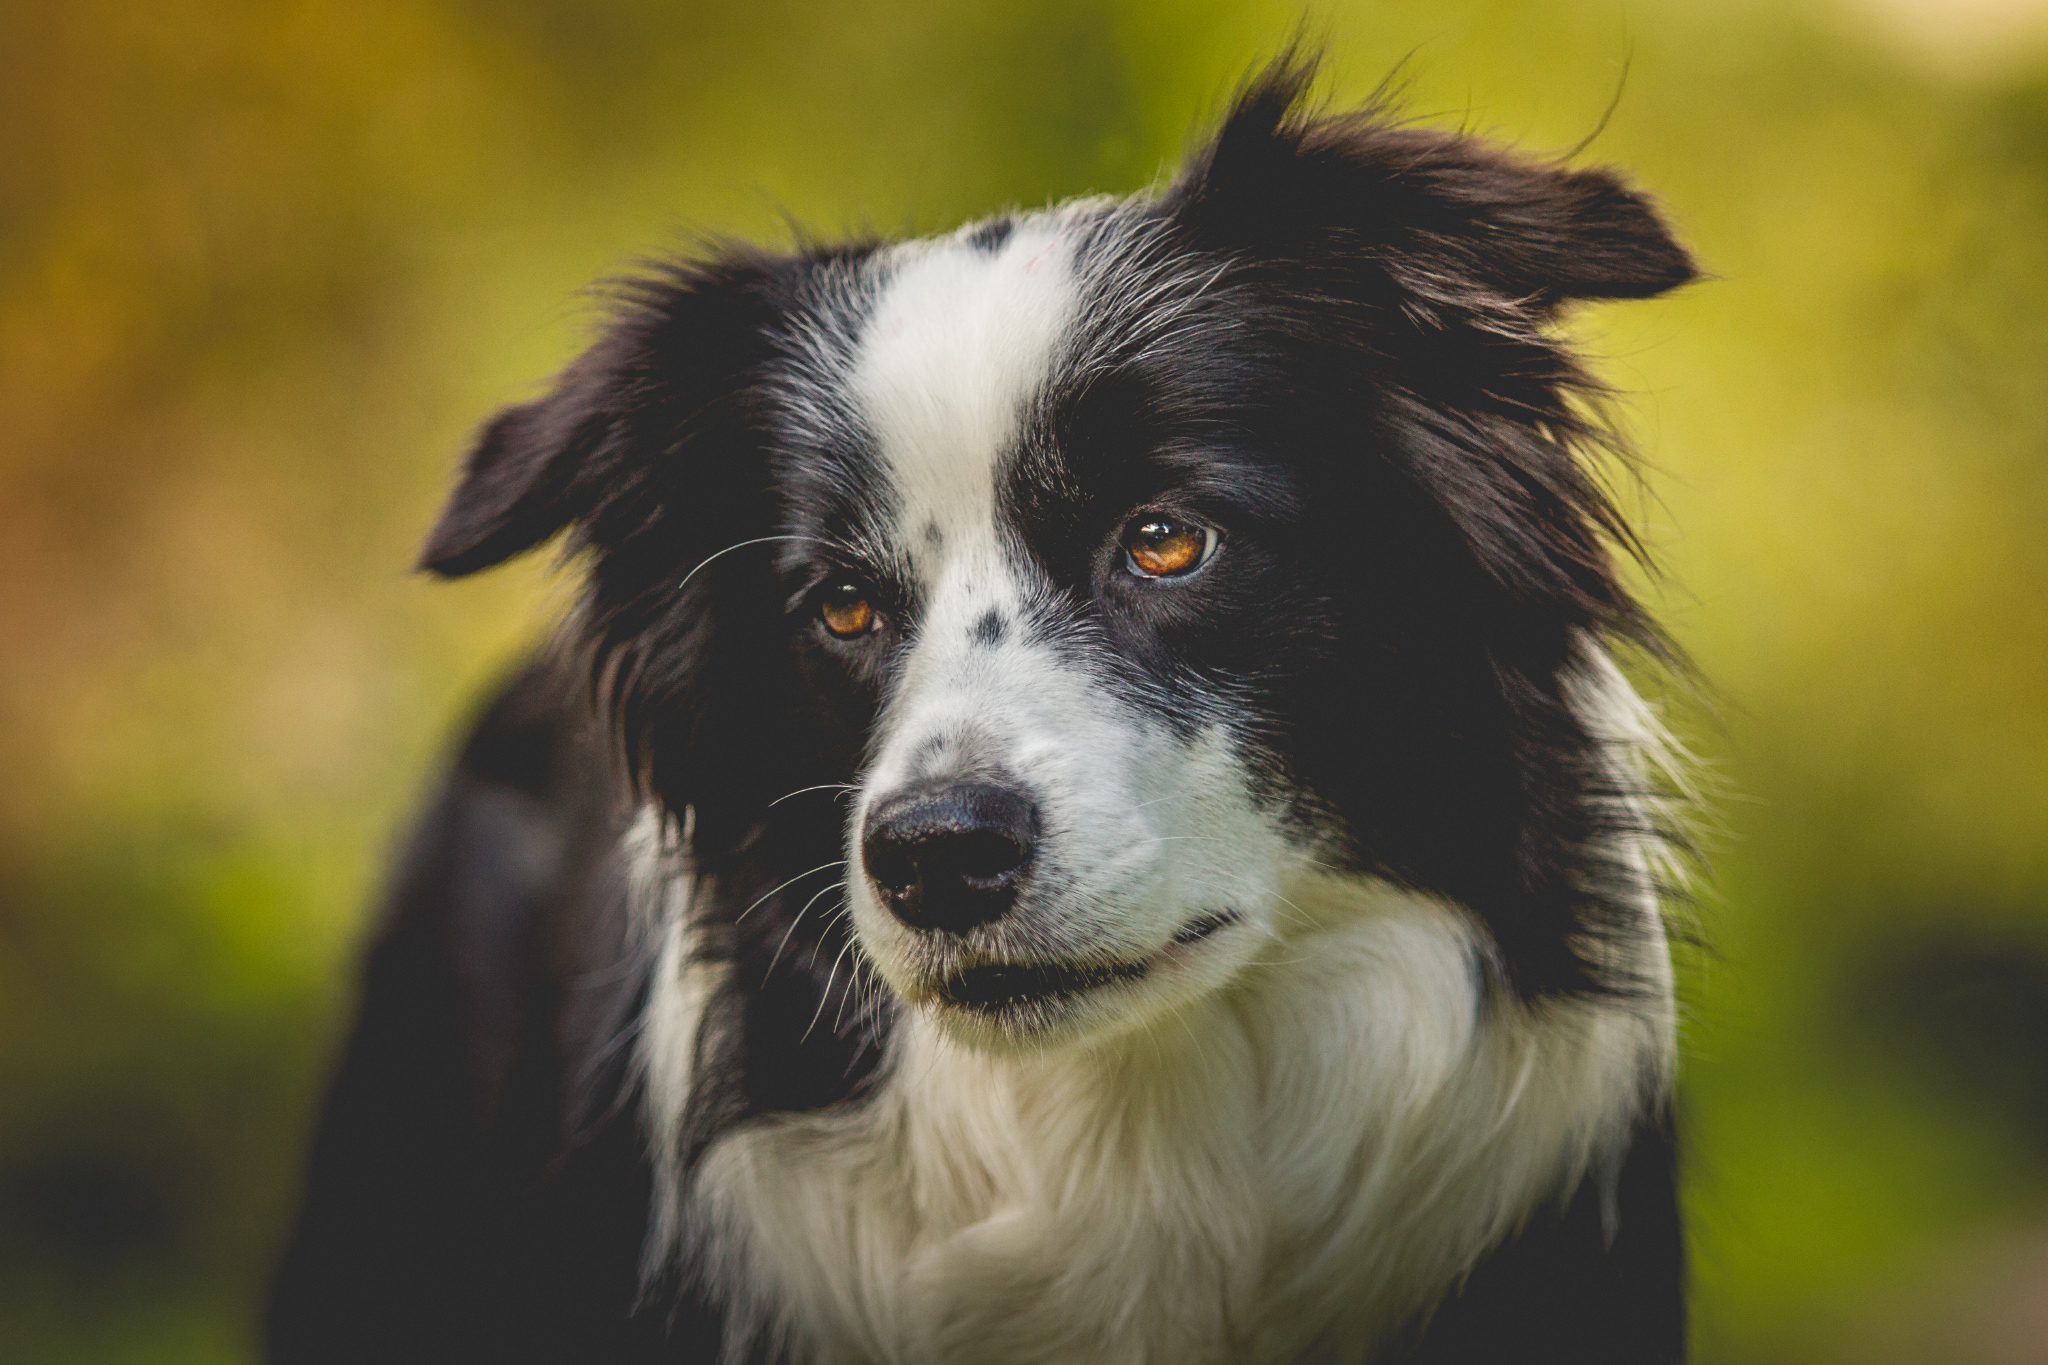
1202, 928
1001, 987
991, 989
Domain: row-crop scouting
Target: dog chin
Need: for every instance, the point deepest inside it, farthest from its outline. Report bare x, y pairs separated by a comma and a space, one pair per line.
1031, 1005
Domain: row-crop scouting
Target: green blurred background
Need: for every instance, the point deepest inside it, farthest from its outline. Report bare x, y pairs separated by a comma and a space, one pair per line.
263, 265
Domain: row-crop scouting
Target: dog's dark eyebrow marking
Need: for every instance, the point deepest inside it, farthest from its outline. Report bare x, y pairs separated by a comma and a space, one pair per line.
933, 538
990, 236
989, 629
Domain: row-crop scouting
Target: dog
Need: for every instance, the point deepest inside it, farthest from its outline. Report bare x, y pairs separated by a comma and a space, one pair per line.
1086, 810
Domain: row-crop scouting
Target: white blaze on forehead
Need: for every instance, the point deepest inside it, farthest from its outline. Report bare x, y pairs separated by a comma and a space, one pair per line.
958, 342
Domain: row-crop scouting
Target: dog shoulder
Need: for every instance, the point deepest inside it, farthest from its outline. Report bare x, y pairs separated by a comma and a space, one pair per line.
477, 1186
1598, 1282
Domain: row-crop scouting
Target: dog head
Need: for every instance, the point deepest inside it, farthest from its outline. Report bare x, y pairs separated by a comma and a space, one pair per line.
1118, 563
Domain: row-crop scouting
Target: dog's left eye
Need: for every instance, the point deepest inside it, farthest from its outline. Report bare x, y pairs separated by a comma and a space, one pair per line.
846, 611
1162, 547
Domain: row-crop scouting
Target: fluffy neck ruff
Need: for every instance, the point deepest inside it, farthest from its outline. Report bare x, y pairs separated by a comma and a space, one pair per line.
1290, 1170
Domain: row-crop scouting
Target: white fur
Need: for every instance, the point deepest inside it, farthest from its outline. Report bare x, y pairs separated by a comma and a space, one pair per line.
1284, 1170
954, 348
685, 980
1284, 1139
1146, 830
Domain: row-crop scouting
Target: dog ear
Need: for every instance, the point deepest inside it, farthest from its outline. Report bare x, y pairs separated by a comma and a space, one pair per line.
516, 485
1453, 217
669, 368
1420, 270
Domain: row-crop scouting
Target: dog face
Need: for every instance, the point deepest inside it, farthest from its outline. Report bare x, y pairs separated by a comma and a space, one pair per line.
1024, 521
1119, 564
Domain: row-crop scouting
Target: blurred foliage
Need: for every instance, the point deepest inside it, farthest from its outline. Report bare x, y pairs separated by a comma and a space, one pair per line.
262, 266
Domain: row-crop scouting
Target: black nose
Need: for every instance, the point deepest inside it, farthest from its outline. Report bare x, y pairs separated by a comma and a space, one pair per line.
950, 859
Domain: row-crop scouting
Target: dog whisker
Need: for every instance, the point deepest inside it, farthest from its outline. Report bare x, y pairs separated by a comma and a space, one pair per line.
820, 787
826, 993
792, 929
740, 545
836, 862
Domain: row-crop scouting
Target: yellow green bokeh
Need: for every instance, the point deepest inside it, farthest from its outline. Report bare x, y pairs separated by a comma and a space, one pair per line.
264, 265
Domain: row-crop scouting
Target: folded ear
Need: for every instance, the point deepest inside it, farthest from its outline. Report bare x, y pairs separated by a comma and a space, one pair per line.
1438, 210
516, 486
675, 360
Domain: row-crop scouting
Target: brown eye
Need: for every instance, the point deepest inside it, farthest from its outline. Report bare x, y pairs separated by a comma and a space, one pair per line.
846, 611
1162, 548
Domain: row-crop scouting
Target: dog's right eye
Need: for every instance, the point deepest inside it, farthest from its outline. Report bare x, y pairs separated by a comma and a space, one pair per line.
846, 611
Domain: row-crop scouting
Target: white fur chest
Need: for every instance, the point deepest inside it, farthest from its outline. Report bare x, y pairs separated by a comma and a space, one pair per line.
1288, 1171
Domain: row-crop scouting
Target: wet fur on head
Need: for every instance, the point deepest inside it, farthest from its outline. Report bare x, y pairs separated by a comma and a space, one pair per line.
1339, 943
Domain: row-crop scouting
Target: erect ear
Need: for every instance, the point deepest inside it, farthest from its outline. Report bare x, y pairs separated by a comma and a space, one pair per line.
1428, 206
517, 485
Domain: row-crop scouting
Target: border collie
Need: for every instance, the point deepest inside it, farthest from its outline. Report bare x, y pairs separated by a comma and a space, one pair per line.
1085, 813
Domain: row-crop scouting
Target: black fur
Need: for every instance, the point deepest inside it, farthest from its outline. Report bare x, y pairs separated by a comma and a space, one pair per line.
1366, 390
477, 1190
